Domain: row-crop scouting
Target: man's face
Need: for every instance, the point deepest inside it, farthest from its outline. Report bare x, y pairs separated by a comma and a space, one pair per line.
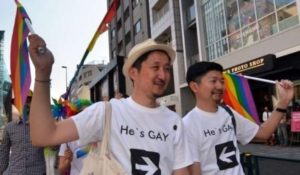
154, 76
210, 87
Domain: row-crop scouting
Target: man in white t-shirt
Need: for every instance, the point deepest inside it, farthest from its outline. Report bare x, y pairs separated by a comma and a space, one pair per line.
146, 138
211, 131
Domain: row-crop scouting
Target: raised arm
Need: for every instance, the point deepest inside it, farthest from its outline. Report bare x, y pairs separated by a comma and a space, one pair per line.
44, 130
285, 89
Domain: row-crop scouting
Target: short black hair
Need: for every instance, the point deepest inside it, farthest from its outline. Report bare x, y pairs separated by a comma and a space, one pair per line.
201, 68
138, 63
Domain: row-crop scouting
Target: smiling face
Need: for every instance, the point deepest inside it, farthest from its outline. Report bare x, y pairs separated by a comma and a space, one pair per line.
152, 77
209, 87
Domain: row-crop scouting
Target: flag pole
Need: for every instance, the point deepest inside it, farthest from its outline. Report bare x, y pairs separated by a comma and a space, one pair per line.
40, 49
258, 79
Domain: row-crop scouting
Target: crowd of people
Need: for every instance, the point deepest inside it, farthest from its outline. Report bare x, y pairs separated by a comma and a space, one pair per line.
146, 137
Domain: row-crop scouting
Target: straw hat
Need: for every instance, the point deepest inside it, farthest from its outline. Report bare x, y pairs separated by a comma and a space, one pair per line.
140, 49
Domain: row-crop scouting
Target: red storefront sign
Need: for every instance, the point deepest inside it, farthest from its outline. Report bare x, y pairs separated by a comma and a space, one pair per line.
295, 123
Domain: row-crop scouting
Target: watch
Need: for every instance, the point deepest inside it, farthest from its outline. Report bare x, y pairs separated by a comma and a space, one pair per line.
281, 110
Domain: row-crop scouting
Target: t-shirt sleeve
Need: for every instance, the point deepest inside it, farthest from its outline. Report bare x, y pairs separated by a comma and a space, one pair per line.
246, 129
89, 123
191, 138
182, 154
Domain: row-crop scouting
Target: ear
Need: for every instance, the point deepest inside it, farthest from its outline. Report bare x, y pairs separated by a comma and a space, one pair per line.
132, 73
194, 86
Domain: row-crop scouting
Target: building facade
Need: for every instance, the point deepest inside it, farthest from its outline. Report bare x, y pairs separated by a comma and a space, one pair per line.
129, 27
88, 72
254, 37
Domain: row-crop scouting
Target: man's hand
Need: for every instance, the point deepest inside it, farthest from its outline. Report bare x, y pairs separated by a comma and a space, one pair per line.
68, 154
285, 89
42, 61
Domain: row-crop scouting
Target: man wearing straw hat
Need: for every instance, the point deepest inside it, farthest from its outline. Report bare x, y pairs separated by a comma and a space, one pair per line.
213, 131
146, 138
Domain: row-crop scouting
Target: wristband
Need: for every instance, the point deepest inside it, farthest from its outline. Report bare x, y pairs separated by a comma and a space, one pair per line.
43, 81
281, 110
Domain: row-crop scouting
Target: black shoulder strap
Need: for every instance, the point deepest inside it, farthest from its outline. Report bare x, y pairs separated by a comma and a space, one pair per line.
227, 109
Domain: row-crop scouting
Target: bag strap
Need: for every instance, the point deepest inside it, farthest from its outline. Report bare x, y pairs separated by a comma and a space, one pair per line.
104, 150
227, 109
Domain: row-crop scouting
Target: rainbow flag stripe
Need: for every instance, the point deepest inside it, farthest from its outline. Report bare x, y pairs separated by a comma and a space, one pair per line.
238, 96
80, 152
20, 67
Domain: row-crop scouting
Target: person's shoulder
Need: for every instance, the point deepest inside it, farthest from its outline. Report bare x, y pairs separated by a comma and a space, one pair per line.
190, 115
13, 123
10, 126
118, 101
94, 106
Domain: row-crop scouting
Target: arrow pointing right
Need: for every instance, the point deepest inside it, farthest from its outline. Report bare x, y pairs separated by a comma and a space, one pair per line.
150, 167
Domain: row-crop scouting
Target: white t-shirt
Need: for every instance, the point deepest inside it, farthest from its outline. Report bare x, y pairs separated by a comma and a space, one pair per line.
143, 140
213, 140
78, 155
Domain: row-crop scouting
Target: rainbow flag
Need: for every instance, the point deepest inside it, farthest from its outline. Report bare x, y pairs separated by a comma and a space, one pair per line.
238, 96
102, 28
19, 61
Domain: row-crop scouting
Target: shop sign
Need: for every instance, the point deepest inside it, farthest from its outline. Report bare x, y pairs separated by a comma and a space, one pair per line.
254, 66
295, 122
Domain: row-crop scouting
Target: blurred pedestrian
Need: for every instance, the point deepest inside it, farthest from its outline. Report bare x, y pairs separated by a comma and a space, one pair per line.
282, 132
17, 155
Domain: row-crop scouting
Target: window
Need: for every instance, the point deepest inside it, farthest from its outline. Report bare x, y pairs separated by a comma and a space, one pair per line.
159, 10
126, 14
235, 41
137, 26
135, 3
281, 3
247, 15
113, 32
191, 14
249, 34
119, 24
264, 7
120, 46
127, 38
267, 26
87, 74
114, 53
233, 24
287, 17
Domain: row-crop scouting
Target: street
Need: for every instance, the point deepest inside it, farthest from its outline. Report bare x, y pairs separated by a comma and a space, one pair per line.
272, 160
